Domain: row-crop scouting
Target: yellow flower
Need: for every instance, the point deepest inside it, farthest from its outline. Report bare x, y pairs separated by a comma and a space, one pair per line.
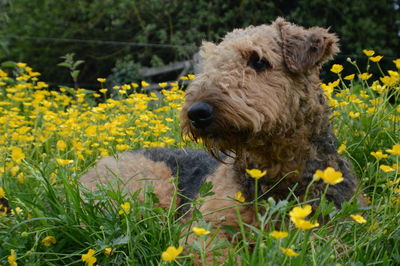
183, 78
354, 115
329, 175
163, 84
107, 251
61, 145
386, 168
126, 208
364, 76
21, 178
101, 80
349, 77
388, 80
171, 253
256, 173
297, 215
239, 197
342, 148
395, 150
191, 76
2, 193
144, 84
64, 162
371, 110
289, 252
397, 63
336, 68
368, 52
200, 231
17, 154
89, 258
21, 65
122, 147
4, 74
376, 59
279, 234
358, 218
300, 212
49, 240
304, 224
103, 90
379, 155
12, 258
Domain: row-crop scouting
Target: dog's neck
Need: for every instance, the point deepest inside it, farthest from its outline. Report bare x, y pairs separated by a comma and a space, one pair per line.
284, 158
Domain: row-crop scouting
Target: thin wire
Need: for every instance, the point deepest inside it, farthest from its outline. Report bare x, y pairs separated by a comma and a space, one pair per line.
134, 44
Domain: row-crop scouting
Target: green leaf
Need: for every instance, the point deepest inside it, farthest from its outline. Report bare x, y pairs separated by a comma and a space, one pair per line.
205, 189
8, 64
75, 74
64, 64
77, 63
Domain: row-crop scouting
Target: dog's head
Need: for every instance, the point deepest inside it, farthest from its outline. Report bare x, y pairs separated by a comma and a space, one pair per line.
259, 81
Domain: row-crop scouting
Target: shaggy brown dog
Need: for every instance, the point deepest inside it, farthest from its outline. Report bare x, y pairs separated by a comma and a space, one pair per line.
258, 101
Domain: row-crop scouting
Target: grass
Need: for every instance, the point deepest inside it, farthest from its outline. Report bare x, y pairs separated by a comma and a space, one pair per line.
50, 138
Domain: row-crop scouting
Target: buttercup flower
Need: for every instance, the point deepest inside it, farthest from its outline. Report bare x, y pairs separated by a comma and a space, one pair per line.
386, 168
358, 218
126, 208
256, 173
239, 197
304, 224
144, 84
289, 252
397, 63
61, 145
12, 259
279, 234
89, 258
297, 215
368, 52
200, 231
329, 175
300, 212
17, 155
354, 115
395, 150
376, 59
163, 84
2, 193
349, 77
379, 155
342, 148
364, 76
107, 251
64, 162
336, 68
101, 80
171, 253
49, 240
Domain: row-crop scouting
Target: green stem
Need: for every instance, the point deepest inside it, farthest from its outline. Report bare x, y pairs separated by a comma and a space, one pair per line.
256, 198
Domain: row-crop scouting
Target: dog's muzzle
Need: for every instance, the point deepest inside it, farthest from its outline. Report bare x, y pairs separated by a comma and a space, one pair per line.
200, 114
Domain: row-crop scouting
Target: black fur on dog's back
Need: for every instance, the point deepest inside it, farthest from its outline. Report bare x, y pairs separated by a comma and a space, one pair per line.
190, 166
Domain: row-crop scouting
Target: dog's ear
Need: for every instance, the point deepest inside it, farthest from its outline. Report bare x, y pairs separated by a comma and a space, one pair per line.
304, 49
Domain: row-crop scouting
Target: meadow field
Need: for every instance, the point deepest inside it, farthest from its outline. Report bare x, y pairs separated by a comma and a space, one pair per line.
49, 138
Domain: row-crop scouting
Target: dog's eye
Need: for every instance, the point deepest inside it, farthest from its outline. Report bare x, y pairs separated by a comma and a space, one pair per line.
257, 63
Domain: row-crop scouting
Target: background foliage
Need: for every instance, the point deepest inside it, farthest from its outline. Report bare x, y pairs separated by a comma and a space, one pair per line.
181, 23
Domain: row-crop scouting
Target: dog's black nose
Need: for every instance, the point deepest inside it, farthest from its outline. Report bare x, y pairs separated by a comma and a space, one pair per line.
201, 114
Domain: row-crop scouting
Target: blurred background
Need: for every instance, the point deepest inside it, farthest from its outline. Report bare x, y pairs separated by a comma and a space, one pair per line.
156, 40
